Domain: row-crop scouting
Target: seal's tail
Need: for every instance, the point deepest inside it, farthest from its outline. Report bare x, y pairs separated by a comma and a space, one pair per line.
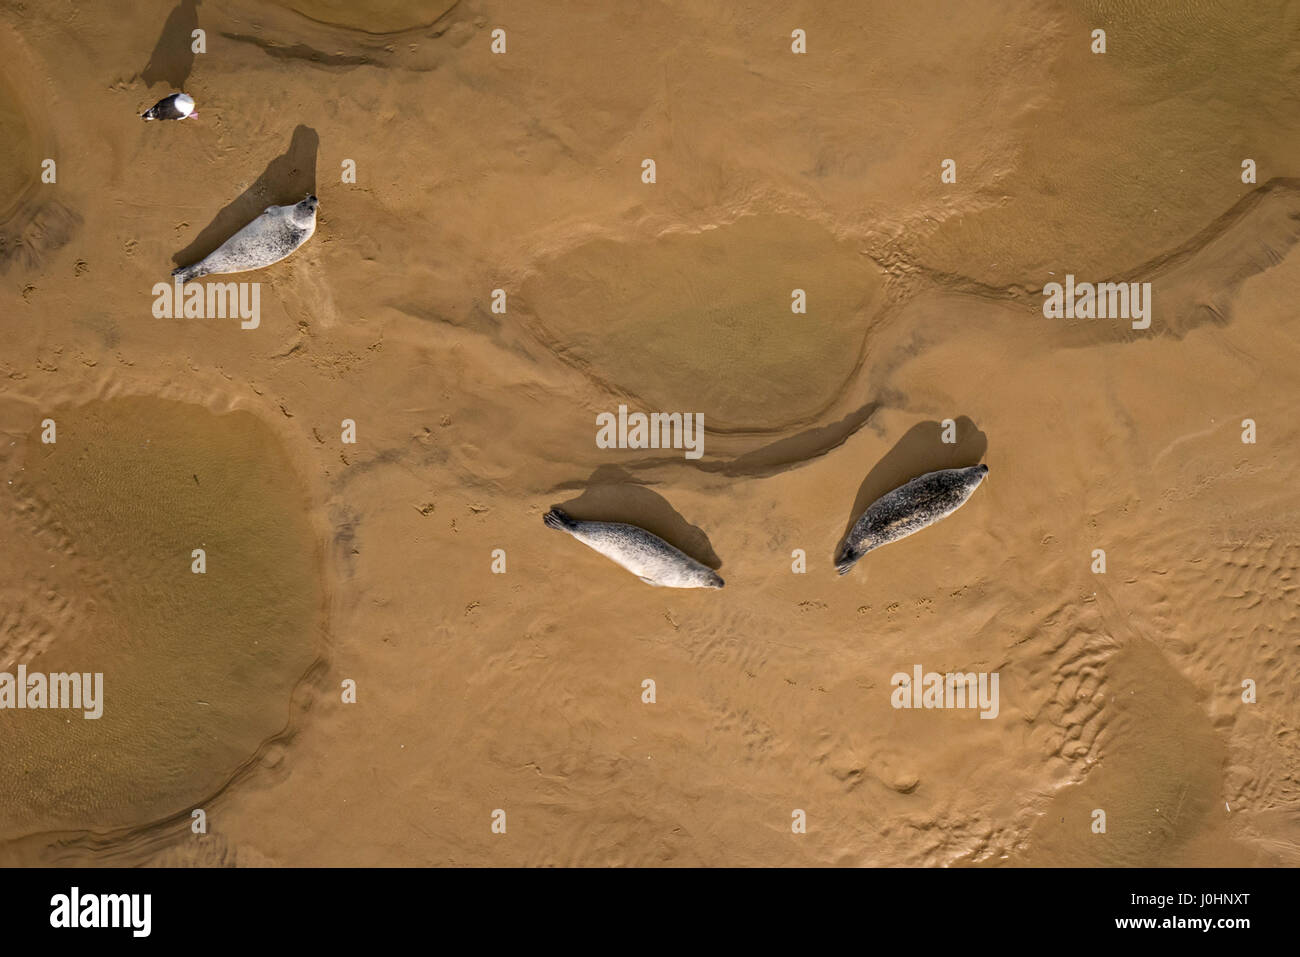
556, 518
189, 273
845, 560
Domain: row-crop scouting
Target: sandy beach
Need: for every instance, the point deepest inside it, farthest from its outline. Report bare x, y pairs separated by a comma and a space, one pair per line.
497, 274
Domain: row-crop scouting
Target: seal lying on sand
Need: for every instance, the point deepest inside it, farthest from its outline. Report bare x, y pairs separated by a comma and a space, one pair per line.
907, 509
646, 556
268, 239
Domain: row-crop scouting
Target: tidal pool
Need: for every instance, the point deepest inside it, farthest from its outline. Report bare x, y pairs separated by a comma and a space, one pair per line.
197, 669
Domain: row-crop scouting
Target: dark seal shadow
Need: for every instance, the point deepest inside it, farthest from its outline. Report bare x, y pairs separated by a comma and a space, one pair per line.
287, 179
796, 450
173, 56
613, 495
921, 450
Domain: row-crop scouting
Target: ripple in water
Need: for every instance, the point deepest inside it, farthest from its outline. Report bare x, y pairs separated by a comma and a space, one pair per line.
371, 16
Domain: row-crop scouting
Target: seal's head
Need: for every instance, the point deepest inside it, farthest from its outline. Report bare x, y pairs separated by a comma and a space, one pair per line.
304, 213
714, 580
846, 559
974, 475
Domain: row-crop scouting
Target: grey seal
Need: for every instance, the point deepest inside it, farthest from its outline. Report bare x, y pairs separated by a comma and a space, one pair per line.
266, 240
908, 509
646, 556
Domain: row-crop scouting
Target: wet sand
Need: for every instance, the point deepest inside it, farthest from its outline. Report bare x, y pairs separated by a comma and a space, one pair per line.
522, 172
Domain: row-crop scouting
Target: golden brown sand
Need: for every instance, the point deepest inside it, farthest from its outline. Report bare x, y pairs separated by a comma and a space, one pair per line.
522, 691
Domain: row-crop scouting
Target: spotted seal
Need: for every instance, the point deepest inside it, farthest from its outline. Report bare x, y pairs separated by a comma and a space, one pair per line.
646, 556
266, 240
908, 509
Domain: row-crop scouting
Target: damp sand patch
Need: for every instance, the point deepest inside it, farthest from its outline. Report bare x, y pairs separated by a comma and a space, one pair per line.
35, 218
1154, 786
198, 668
19, 159
703, 321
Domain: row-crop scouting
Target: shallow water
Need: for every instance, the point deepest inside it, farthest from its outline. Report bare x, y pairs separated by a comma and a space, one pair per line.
703, 321
198, 669
1128, 153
